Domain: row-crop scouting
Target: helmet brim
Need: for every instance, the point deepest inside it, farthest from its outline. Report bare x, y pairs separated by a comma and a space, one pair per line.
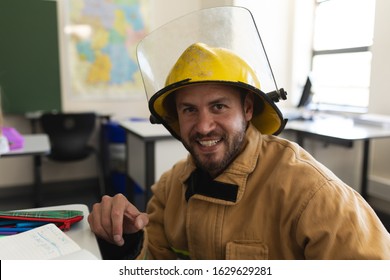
267, 117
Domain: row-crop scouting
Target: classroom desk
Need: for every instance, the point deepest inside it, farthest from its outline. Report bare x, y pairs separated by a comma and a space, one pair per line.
150, 150
80, 232
35, 145
340, 131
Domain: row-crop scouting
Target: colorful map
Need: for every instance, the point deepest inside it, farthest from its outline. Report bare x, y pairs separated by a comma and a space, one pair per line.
102, 36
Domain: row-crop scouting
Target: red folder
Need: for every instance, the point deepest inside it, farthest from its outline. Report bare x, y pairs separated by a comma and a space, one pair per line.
18, 221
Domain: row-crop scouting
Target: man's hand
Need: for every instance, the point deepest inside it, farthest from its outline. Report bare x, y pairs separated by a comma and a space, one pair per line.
115, 216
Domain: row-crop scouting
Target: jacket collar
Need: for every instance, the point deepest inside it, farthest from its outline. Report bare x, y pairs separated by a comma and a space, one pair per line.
201, 183
229, 187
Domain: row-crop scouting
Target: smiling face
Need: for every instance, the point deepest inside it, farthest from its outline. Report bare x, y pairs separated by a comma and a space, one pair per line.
213, 119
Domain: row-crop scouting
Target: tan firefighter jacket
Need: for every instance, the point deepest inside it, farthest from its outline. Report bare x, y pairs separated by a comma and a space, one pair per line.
275, 201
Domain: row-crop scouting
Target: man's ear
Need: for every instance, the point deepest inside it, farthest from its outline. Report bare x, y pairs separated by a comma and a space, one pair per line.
248, 106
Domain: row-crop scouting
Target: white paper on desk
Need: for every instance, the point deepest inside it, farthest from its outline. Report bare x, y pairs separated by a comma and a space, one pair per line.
42, 243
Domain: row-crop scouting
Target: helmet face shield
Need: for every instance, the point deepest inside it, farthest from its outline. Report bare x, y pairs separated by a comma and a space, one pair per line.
218, 45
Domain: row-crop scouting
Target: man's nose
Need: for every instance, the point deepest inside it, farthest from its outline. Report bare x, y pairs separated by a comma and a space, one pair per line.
205, 122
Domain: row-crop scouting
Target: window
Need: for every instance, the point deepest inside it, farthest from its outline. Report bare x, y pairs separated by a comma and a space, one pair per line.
341, 63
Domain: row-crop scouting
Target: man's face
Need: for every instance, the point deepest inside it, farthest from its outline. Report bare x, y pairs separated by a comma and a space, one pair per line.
213, 121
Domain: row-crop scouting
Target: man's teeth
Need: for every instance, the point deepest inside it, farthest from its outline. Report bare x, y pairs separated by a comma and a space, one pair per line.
208, 143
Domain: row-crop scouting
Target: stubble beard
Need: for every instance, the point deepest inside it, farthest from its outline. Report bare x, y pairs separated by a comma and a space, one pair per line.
208, 163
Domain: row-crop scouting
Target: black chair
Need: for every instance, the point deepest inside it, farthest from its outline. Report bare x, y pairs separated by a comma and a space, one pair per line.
69, 135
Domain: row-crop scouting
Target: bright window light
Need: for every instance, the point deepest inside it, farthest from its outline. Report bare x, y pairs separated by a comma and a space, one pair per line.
341, 65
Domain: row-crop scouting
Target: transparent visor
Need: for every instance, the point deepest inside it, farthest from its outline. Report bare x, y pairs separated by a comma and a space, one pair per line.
232, 28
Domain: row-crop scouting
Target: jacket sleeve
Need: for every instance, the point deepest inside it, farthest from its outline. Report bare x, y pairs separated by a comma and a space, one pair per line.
155, 243
337, 223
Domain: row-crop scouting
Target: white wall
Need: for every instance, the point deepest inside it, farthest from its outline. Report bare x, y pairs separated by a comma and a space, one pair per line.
379, 91
274, 21
379, 96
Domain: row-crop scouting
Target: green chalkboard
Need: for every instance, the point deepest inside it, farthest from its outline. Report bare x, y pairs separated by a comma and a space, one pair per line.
29, 56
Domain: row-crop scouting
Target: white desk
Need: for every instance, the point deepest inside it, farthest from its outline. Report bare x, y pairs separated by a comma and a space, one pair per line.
80, 232
35, 145
341, 131
150, 151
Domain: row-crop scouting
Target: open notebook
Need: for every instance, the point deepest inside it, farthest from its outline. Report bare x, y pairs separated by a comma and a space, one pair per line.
42, 243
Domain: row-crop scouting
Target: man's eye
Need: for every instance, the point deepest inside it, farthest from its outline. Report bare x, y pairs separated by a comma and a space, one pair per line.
219, 106
188, 110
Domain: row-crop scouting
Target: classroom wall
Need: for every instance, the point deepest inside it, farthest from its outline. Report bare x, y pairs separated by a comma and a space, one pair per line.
18, 172
161, 12
379, 94
274, 21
